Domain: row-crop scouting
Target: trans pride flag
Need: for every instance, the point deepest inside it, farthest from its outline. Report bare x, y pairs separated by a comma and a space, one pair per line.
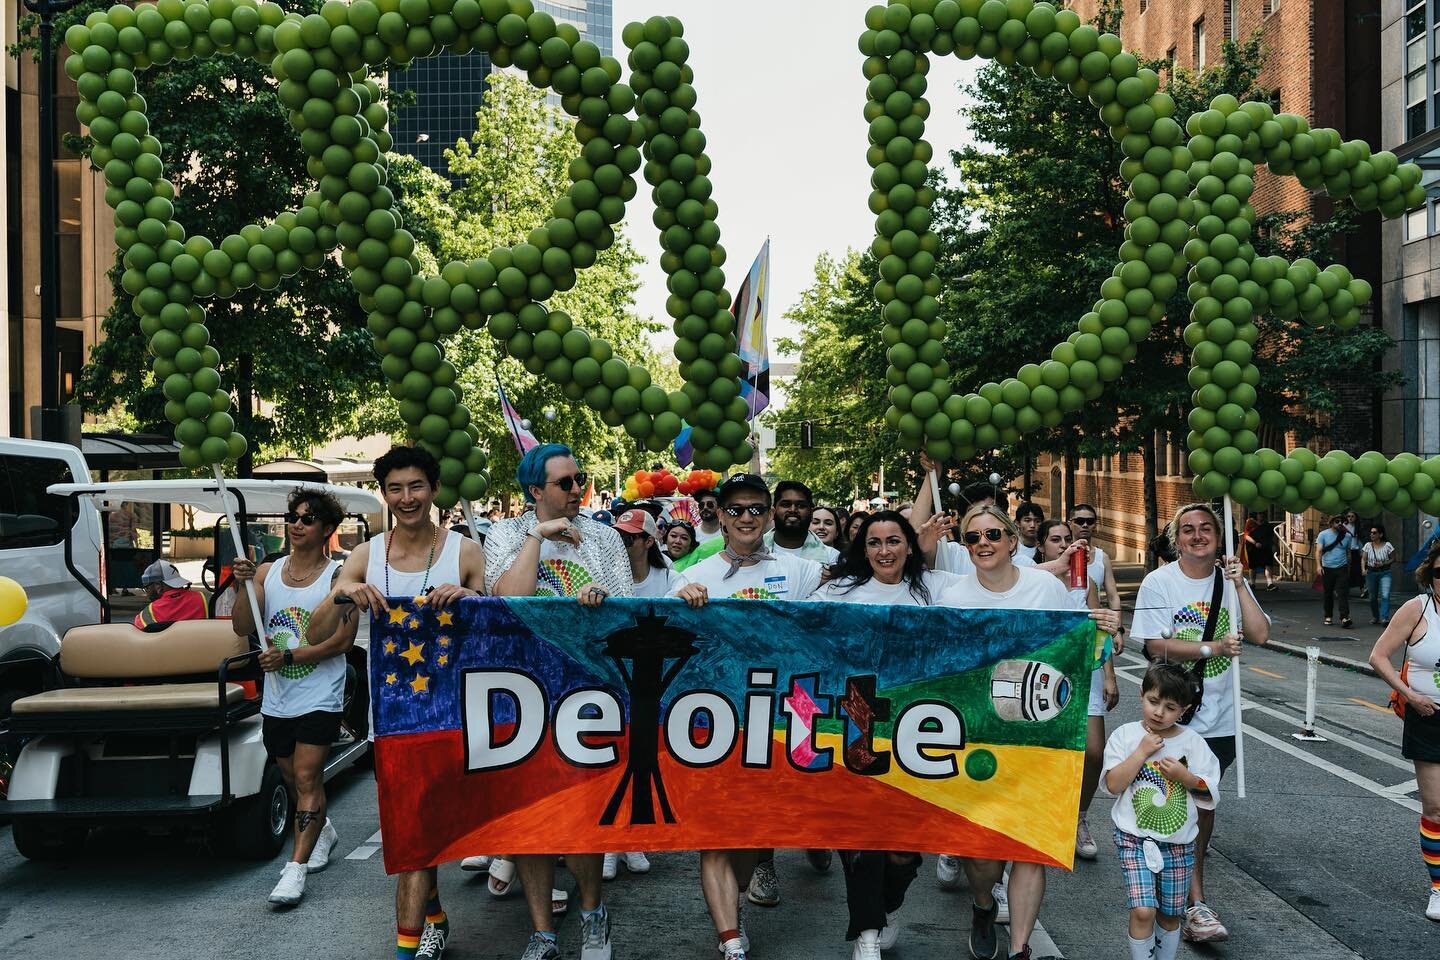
536, 726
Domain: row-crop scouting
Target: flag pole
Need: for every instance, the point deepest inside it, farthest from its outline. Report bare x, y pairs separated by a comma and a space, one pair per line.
1232, 604
935, 492
469, 514
241, 553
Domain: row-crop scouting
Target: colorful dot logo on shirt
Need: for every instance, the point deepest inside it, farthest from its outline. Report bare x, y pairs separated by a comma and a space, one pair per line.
1190, 625
753, 593
287, 632
1160, 805
560, 578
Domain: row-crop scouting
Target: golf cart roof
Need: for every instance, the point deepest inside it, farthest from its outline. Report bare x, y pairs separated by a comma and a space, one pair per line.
262, 497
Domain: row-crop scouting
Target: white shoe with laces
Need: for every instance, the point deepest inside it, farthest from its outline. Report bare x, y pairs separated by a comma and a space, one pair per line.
636, 862
867, 946
291, 887
947, 871
320, 856
1085, 846
610, 868
1002, 903
475, 864
891, 933
1432, 912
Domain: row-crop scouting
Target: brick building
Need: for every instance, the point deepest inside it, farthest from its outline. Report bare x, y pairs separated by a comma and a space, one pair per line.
1321, 60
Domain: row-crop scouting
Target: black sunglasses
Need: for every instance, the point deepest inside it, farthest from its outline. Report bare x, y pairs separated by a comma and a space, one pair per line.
570, 483
1083, 521
754, 509
993, 535
304, 519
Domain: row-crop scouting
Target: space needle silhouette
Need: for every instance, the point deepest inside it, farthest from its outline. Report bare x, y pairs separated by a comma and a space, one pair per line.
648, 645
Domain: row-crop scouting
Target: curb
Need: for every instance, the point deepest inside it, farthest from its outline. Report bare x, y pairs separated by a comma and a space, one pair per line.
1329, 659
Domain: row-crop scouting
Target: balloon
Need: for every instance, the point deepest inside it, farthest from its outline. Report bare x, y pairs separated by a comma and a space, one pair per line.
13, 601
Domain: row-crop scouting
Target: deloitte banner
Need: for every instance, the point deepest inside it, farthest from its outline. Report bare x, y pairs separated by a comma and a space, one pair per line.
536, 726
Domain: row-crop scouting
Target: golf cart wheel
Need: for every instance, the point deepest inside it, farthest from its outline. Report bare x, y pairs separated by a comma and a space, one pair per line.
255, 828
37, 840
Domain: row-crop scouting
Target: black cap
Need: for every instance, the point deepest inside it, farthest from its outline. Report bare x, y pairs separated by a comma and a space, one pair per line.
741, 481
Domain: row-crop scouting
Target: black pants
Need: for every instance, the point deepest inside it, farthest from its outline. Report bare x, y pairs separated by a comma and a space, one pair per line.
875, 886
1336, 581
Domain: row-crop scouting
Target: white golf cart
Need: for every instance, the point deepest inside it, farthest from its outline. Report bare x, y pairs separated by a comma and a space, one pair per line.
163, 726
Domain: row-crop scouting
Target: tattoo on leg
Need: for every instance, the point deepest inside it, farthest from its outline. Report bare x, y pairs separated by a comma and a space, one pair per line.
304, 818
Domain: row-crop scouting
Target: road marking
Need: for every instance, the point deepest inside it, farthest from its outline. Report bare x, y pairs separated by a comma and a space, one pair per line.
1366, 749
1409, 786
366, 850
1266, 673
1367, 703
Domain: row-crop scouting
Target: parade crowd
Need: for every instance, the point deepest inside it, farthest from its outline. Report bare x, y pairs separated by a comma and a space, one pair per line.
778, 544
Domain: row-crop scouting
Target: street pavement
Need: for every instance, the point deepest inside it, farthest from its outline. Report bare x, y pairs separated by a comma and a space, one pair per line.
1319, 861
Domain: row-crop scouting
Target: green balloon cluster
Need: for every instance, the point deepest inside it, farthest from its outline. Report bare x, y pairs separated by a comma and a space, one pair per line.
1188, 218
320, 62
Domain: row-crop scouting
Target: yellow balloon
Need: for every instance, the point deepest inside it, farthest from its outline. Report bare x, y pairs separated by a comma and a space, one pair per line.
12, 601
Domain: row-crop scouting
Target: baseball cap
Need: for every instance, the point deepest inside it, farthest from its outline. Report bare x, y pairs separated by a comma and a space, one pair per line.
742, 481
163, 571
638, 521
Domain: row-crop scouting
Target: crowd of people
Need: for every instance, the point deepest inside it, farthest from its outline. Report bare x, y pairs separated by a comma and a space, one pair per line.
777, 544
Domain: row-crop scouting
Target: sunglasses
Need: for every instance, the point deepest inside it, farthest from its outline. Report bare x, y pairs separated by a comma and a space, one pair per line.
304, 519
1083, 521
754, 509
994, 535
570, 483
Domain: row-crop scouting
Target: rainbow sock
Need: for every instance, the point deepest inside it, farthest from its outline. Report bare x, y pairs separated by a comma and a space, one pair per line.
407, 941
1430, 849
434, 913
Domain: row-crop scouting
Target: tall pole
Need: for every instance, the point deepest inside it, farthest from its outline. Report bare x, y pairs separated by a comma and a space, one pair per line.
1232, 603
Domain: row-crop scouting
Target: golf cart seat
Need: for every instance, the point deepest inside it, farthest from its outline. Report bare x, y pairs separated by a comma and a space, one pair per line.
116, 667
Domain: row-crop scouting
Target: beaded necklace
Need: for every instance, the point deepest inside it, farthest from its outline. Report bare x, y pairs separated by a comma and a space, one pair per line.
434, 538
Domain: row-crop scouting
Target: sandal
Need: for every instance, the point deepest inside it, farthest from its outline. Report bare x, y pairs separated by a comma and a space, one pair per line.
1329, 622
559, 902
502, 877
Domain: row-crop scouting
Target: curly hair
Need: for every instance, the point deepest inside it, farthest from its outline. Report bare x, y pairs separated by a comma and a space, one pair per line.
324, 506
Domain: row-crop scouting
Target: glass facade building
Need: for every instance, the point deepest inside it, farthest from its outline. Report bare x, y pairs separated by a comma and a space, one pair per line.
450, 89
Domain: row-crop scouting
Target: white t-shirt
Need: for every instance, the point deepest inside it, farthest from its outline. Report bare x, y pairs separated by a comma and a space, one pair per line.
953, 557
1034, 589
830, 553
1095, 570
899, 594
660, 583
1152, 806
1378, 557
1168, 599
1024, 557
783, 578
701, 536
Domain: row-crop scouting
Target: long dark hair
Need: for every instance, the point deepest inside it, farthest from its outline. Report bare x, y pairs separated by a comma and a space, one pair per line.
855, 568
1044, 532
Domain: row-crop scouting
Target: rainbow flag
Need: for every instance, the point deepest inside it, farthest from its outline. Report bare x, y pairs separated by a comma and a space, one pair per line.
524, 440
536, 726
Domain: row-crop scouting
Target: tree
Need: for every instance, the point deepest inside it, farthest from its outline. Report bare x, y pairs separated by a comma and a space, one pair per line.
507, 175
302, 350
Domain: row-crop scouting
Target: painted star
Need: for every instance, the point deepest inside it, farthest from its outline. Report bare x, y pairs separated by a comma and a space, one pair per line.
415, 654
421, 600
443, 659
389, 646
397, 616
421, 684
391, 679
445, 618
413, 623
444, 641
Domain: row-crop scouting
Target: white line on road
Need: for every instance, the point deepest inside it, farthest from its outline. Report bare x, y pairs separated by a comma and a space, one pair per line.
366, 850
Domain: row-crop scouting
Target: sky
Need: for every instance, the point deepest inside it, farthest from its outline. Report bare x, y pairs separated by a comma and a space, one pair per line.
780, 99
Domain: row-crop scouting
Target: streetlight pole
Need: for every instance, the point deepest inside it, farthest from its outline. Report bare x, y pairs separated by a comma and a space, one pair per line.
51, 426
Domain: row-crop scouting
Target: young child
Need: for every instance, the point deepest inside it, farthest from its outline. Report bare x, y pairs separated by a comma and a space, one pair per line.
1160, 772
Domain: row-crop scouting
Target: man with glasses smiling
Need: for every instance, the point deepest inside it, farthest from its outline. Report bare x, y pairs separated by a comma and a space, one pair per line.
553, 551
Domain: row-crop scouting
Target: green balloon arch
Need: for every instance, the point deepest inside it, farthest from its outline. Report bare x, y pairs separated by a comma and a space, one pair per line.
1188, 217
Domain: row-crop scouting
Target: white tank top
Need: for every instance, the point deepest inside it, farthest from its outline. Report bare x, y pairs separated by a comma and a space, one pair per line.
1423, 657
300, 688
401, 583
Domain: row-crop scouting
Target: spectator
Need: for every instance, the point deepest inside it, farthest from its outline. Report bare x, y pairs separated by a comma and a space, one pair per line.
1334, 545
1256, 553
1379, 556
171, 598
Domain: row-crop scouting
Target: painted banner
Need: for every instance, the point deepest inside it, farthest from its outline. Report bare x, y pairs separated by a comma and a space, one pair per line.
509, 725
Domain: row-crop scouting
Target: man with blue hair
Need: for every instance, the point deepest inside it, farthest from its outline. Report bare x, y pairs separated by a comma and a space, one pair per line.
553, 551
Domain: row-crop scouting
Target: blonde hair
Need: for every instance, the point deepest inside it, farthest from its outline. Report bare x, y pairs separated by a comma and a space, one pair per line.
996, 514
1172, 531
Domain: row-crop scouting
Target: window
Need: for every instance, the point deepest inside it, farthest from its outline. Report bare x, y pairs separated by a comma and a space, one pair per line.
1171, 55
1144, 5
30, 517
1232, 19
1419, 69
1271, 6
1197, 43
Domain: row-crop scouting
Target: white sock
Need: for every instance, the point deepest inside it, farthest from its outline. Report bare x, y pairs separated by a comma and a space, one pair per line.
1141, 949
1167, 943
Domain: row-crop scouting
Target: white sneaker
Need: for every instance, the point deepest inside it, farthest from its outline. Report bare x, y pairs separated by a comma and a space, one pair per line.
291, 887
947, 871
636, 862
867, 946
1432, 912
475, 864
320, 856
1002, 901
891, 933
1085, 846
610, 868
744, 938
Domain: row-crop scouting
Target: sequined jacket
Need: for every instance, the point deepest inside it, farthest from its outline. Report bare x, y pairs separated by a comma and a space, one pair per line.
601, 552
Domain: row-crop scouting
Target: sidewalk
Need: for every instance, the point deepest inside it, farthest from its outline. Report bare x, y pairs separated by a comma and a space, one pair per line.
1298, 621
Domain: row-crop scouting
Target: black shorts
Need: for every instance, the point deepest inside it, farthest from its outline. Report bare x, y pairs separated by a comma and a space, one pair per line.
1224, 750
280, 734
1421, 737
